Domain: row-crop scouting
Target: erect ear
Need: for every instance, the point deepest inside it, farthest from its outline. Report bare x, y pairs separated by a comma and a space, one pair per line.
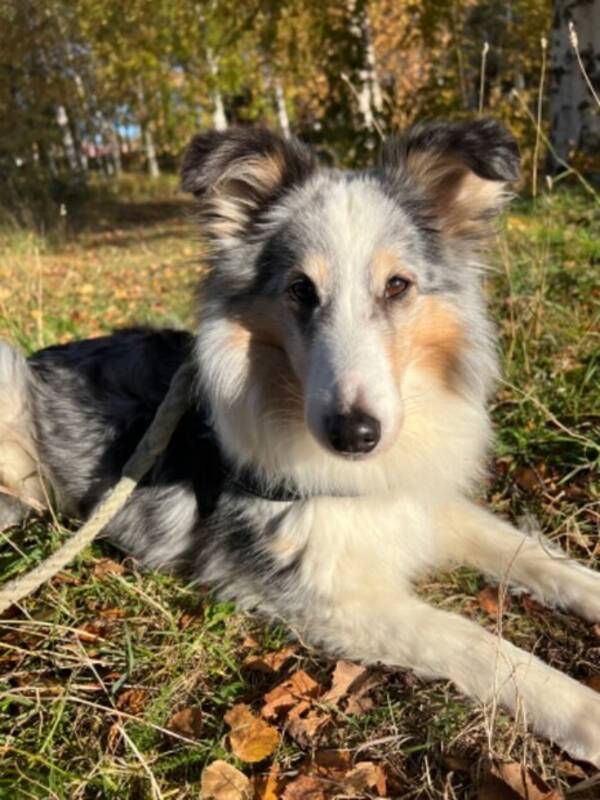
461, 169
237, 174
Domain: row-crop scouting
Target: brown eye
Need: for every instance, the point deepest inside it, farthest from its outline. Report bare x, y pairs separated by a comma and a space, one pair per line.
396, 287
303, 291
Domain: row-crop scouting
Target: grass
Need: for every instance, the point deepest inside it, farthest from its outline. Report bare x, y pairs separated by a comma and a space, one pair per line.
94, 666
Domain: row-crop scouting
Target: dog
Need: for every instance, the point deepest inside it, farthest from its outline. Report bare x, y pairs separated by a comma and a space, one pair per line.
337, 422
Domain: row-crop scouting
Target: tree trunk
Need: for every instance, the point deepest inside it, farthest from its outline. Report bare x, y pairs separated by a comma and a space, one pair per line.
219, 117
575, 116
151, 160
369, 94
67, 138
282, 115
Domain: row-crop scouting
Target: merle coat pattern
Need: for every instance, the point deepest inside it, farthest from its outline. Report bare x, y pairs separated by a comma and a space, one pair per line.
337, 422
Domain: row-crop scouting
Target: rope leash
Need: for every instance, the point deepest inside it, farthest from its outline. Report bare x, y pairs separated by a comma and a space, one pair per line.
151, 445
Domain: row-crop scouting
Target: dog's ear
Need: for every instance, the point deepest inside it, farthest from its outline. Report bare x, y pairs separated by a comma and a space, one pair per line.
236, 175
461, 169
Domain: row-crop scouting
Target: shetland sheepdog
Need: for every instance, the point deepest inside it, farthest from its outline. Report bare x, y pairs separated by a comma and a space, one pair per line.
337, 422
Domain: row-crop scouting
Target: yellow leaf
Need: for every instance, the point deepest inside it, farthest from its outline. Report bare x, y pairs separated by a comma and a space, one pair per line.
221, 781
251, 738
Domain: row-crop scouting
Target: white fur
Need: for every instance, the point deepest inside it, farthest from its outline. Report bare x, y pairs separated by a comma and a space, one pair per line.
20, 482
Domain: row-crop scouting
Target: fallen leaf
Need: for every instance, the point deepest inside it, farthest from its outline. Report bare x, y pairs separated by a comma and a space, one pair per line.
106, 566
300, 686
456, 763
593, 682
251, 738
531, 606
333, 759
270, 662
359, 701
490, 600
112, 613
188, 618
266, 787
346, 676
132, 700
187, 722
307, 787
221, 781
366, 777
570, 769
524, 782
492, 788
527, 479
596, 628
306, 723
114, 738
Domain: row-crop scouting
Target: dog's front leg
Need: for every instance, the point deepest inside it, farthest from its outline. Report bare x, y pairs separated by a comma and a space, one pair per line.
477, 537
439, 644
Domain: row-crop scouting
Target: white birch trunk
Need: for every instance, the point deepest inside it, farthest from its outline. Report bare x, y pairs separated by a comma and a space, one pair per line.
575, 116
151, 160
282, 115
369, 94
67, 138
219, 116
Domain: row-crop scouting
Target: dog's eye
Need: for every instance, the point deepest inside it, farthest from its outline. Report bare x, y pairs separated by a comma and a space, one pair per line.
303, 291
396, 287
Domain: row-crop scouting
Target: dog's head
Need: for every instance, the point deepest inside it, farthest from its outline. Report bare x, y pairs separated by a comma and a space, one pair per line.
347, 295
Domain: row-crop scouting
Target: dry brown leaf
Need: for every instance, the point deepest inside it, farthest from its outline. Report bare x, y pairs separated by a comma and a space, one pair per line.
307, 787
188, 618
596, 628
489, 599
266, 787
492, 788
306, 723
112, 613
524, 782
114, 737
346, 676
531, 606
366, 777
527, 479
333, 759
251, 738
132, 700
270, 662
593, 682
106, 566
221, 781
187, 722
456, 763
359, 701
570, 769
300, 686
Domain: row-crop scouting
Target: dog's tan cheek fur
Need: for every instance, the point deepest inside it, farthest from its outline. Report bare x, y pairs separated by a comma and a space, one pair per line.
436, 339
248, 336
431, 339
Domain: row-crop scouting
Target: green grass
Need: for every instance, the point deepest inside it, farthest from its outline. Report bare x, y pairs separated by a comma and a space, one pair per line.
72, 652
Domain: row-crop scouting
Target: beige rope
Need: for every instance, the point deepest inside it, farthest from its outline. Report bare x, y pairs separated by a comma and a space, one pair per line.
149, 448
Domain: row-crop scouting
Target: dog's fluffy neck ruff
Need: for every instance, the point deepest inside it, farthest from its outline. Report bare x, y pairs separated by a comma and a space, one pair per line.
439, 451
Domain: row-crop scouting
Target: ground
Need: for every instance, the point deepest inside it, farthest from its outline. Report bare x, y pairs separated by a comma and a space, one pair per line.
98, 664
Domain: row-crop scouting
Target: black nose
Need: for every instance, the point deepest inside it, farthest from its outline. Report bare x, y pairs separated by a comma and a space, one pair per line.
355, 432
